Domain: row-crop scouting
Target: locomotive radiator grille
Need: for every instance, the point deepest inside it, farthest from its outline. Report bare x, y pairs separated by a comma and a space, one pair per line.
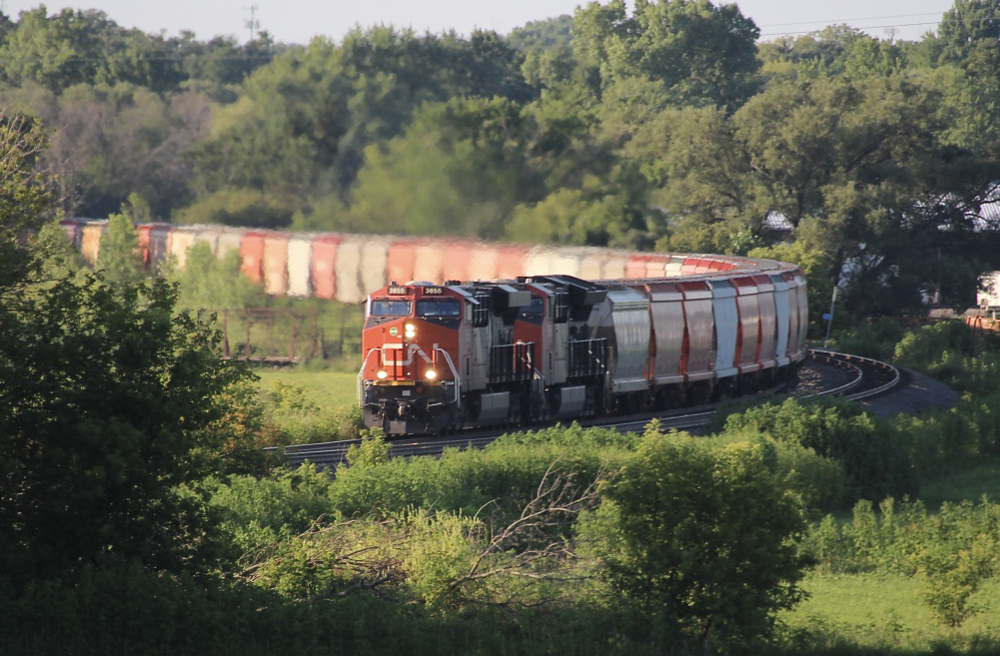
512, 362
588, 358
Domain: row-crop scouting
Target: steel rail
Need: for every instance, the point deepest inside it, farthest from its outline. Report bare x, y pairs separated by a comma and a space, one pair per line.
869, 378
874, 377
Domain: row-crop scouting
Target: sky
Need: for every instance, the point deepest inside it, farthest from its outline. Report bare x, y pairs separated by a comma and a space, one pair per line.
298, 21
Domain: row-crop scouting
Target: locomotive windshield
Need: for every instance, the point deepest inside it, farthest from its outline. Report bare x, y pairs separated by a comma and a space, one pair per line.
535, 308
384, 307
438, 307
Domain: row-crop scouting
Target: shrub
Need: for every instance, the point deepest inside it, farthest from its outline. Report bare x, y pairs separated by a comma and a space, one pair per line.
872, 453
820, 482
256, 511
876, 339
952, 551
701, 538
250, 208
504, 475
297, 420
923, 348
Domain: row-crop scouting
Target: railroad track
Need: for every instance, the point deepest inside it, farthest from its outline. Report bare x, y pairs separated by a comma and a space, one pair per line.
863, 378
869, 378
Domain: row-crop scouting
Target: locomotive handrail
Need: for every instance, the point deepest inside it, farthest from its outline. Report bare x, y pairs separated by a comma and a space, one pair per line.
361, 371
454, 373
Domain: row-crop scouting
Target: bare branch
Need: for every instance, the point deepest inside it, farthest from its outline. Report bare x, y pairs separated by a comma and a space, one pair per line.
555, 504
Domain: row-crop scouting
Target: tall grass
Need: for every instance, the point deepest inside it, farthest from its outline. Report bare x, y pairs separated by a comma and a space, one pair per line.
311, 406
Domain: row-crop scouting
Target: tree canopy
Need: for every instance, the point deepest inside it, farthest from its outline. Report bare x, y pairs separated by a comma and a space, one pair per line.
666, 124
113, 402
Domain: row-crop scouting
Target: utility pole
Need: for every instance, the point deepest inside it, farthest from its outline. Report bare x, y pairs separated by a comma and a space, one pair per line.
829, 317
253, 24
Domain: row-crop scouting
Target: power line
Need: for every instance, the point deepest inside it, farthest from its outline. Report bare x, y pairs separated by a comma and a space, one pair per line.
866, 27
852, 20
870, 27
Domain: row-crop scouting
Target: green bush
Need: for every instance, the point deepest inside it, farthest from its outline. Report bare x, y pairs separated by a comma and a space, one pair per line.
952, 551
820, 482
209, 282
969, 429
700, 538
872, 453
299, 420
257, 511
872, 541
497, 479
925, 348
876, 339
249, 208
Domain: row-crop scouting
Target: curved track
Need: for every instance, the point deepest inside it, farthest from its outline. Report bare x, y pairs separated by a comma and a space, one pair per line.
857, 378
869, 378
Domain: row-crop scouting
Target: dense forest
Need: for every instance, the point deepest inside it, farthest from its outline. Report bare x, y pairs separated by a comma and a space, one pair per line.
141, 513
667, 125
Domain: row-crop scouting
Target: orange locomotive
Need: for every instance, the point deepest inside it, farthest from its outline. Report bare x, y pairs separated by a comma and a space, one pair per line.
479, 354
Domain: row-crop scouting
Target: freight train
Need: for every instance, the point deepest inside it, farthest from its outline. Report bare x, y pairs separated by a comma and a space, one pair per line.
441, 357
540, 334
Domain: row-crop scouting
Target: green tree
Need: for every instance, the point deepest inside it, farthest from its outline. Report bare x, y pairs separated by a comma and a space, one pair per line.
952, 575
109, 402
965, 27
869, 56
119, 258
700, 52
209, 282
701, 539
25, 192
542, 34
86, 47
866, 159
108, 142
55, 51
300, 131
825, 53
219, 66
571, 216
460, 169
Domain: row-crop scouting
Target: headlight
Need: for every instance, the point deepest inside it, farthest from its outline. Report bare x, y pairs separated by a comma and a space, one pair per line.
411, 331
382, 375
431, 374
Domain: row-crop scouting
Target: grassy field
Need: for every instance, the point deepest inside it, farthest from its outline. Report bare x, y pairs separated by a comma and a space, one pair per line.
886, 614
328, 389
311, 406
979, 480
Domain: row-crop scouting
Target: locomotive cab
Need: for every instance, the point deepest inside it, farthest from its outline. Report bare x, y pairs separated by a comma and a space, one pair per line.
444, 356
408, 381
